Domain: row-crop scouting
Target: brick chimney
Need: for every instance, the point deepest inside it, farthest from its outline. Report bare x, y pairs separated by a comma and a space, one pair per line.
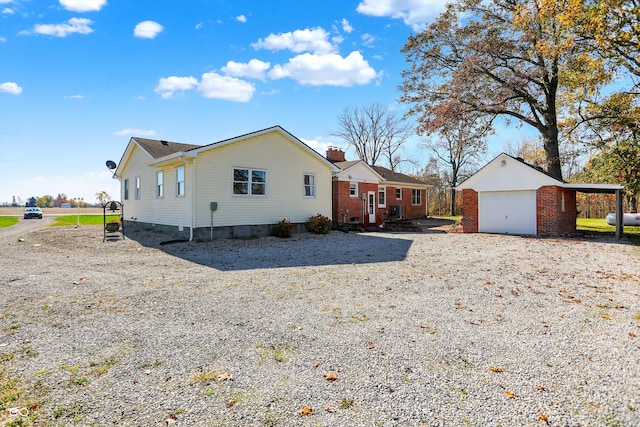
335, 154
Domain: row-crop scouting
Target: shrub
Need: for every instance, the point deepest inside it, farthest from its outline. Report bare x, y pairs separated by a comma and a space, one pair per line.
283, 229
319, 224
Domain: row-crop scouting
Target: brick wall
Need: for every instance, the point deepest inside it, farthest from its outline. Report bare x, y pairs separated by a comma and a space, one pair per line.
342, 201
555, 211
469, 211
410, 211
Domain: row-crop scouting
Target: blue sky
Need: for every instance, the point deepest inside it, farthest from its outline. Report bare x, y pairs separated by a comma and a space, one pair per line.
78, 78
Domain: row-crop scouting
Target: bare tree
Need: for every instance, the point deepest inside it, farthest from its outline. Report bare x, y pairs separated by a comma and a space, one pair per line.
374, 132
461, 140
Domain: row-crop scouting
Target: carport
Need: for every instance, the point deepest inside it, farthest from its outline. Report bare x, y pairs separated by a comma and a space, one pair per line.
510, 196
618, 190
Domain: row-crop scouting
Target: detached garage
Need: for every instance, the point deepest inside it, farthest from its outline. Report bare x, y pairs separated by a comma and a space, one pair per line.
509, 196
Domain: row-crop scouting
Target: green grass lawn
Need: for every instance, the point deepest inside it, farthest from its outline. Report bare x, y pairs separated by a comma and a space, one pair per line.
84, 219
599, 224
7, 221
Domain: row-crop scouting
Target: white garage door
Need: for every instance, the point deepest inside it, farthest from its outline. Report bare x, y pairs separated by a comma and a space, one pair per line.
512, 212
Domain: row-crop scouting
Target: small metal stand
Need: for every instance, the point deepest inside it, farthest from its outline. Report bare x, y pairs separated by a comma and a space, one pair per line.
109, 229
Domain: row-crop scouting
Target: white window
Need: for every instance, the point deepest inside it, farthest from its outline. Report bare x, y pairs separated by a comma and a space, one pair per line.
159, 184
126, 189
309, 183
137, 188
398, 193
180, 181
381, 197
416, 196
353, 189
249, 182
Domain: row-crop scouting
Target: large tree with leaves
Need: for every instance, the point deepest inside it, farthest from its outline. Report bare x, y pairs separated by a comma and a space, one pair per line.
614, 27
507, 58
614, 130
373, 131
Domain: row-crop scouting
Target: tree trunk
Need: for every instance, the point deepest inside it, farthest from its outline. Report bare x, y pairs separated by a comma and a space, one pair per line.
452, 208
552, 152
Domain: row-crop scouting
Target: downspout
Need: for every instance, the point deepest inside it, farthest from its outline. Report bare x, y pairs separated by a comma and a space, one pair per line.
193, 199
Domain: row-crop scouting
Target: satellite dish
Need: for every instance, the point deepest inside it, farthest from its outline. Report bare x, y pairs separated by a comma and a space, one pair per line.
111, 164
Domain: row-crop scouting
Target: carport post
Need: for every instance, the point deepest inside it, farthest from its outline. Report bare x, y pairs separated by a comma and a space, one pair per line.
619, 214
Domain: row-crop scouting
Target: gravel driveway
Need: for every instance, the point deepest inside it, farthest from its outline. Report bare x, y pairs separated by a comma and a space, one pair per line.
430, 329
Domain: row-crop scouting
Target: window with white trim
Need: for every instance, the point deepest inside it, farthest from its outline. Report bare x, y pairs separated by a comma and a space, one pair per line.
160, 184
416, 196
249, 182
309, 183
398, 193
137, 190
126, 189
180, 181
353, 189
382, 202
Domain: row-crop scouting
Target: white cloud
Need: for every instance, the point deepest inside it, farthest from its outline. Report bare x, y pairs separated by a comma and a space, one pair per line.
241, 18
73, 26
214, 85
346, 26
331, 69
254, 69
147, 29
314, 40
83, 5
8, 11
138, 132
414, 13
3, 40
77, 96
368, 39
11, 88
318, 144
167, 86
199, 25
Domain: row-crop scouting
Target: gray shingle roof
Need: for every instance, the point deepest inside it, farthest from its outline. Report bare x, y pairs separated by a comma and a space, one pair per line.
160, 148
392, 176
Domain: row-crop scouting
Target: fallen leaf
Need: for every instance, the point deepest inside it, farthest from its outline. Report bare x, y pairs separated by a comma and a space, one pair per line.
495, 369
329, 410
224, 377
423, 326
330, 376
543, 417
431, 332
542, 388
304, 411
510, 394
230, 403
632, 335
370, 345
605, 317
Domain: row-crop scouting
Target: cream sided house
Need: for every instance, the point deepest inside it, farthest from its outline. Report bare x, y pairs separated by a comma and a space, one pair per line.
237, 187
372, 194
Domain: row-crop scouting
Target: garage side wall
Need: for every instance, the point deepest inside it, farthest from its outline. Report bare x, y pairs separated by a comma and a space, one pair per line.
469, 211
555, 211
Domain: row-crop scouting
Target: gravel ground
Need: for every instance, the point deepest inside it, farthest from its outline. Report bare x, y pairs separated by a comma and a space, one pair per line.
429, 329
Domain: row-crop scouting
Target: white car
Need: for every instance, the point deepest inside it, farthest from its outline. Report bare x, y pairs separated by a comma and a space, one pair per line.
32, 212
627, 219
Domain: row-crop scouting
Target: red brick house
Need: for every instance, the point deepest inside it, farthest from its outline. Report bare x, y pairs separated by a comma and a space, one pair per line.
510, 196
371, 194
